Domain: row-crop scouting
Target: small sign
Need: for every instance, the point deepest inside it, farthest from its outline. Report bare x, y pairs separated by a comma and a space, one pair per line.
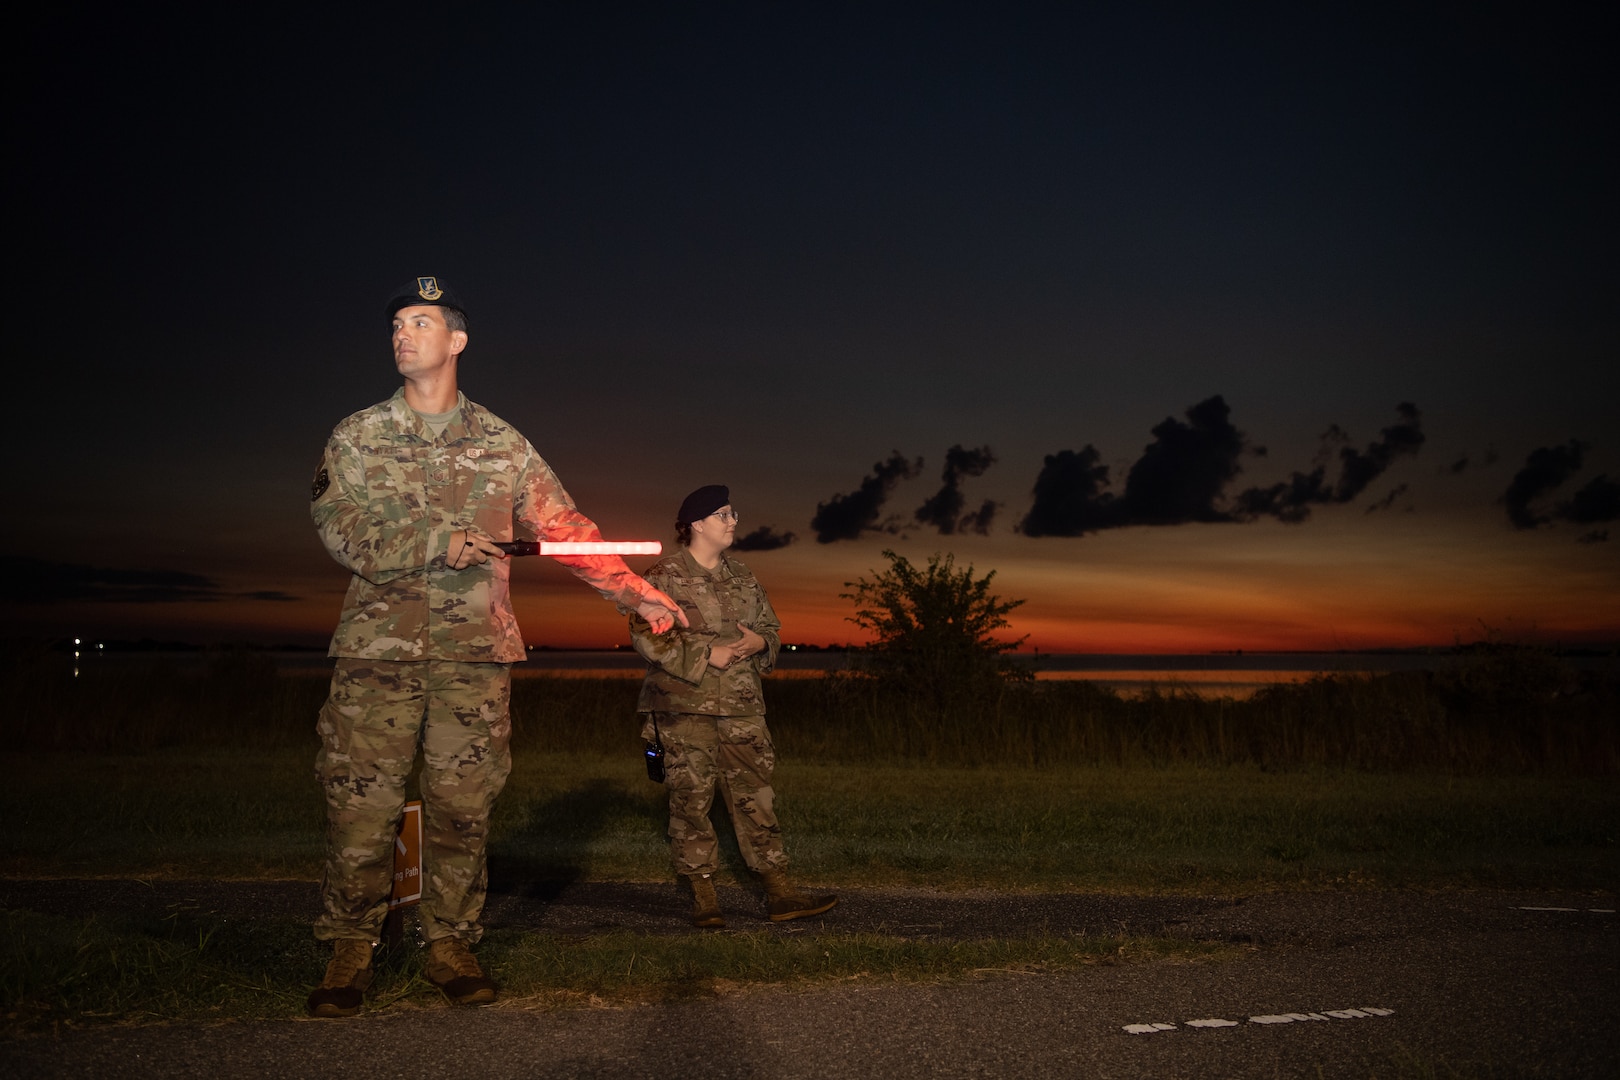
408, 857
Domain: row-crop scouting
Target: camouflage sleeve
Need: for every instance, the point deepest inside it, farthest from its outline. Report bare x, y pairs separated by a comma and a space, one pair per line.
684, 650
769, 627
374, 548
545, 509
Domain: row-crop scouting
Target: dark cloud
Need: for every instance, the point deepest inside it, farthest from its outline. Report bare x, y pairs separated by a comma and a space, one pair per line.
1181, 474
978, 521
1545, 469
1182, 477
1178, 479
1388, 500
42, 582
845, 517
945, 511
763, 538
1464, 463
1069, 496
1291, 500
1357, 470
1597, 502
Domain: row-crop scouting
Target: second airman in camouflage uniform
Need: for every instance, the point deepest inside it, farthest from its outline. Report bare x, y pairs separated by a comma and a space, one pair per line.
702, 699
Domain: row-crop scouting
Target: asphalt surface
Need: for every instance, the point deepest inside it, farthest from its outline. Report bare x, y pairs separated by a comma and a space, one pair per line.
1354, 984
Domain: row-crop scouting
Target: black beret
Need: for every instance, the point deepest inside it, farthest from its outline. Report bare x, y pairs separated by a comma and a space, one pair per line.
423, 291
703, 502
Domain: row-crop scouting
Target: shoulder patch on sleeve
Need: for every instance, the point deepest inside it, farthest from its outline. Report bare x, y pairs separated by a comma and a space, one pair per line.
318, 486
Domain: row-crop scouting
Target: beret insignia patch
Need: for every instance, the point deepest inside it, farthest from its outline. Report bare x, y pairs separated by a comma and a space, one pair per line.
321, 483
428, 288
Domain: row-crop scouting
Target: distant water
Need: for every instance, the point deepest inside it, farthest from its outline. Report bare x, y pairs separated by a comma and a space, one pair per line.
1208, 674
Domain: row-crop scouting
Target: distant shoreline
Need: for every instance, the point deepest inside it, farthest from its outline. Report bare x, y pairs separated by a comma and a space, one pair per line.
1215, 658
807, 661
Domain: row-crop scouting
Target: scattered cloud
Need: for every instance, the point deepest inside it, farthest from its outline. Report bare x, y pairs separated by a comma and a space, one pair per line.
1182, 477
1597, 502
1069, 496
1178, 479
1181, 474
1357, 470
1292, 500
1388, 500
845, 517
763, 538
978, 521
1466, 462
945, 511
43, 582
1545, 469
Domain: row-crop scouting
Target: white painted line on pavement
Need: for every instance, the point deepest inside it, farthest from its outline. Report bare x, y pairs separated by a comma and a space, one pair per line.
1592, 910
1270, 1018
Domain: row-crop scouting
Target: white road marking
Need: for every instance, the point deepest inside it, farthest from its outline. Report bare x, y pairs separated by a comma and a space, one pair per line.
1591, 910
1364, 1012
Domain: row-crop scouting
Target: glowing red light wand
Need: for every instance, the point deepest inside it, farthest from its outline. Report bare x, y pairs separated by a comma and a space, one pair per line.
580, 547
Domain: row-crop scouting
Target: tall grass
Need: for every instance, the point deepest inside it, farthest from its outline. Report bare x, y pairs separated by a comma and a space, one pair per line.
1508, 709
1519, 715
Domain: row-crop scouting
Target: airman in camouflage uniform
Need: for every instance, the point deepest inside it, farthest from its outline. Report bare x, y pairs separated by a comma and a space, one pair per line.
411, 497
703, 701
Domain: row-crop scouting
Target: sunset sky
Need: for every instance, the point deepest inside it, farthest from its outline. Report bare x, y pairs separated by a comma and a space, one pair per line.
1285, 329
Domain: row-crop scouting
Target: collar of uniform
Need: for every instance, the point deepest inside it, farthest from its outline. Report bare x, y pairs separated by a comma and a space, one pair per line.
466, 425
408, 421
722, 569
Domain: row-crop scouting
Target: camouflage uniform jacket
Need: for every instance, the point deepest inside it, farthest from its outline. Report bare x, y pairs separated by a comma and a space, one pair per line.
716, 602
386, 498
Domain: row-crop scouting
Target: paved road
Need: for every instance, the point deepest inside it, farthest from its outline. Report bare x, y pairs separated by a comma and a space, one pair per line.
1350, 984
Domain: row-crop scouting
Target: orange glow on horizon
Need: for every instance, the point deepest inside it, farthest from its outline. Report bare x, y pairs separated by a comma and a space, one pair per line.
1337, 586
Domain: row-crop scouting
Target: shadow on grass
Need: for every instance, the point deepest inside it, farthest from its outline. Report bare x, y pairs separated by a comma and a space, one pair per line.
552, 849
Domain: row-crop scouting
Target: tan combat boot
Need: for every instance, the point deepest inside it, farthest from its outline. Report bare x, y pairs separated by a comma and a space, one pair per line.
784, 902
347, 976
705, 904
450, 966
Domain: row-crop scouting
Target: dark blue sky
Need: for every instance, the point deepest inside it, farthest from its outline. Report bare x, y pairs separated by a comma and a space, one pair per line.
773, 245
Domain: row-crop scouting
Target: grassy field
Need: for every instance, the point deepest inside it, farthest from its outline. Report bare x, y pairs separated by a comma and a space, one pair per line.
239, 813
63, 973
150, 774
1503, 711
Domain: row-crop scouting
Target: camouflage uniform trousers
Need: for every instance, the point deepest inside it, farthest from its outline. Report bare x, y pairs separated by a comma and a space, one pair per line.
735, 754
376, 715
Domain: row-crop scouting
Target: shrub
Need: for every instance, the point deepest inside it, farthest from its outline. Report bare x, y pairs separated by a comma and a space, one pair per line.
934, 634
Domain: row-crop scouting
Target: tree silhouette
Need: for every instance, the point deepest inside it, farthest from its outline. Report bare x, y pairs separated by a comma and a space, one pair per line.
934, 631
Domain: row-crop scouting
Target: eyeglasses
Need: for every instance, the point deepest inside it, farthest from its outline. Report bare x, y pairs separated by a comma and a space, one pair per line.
726, 515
